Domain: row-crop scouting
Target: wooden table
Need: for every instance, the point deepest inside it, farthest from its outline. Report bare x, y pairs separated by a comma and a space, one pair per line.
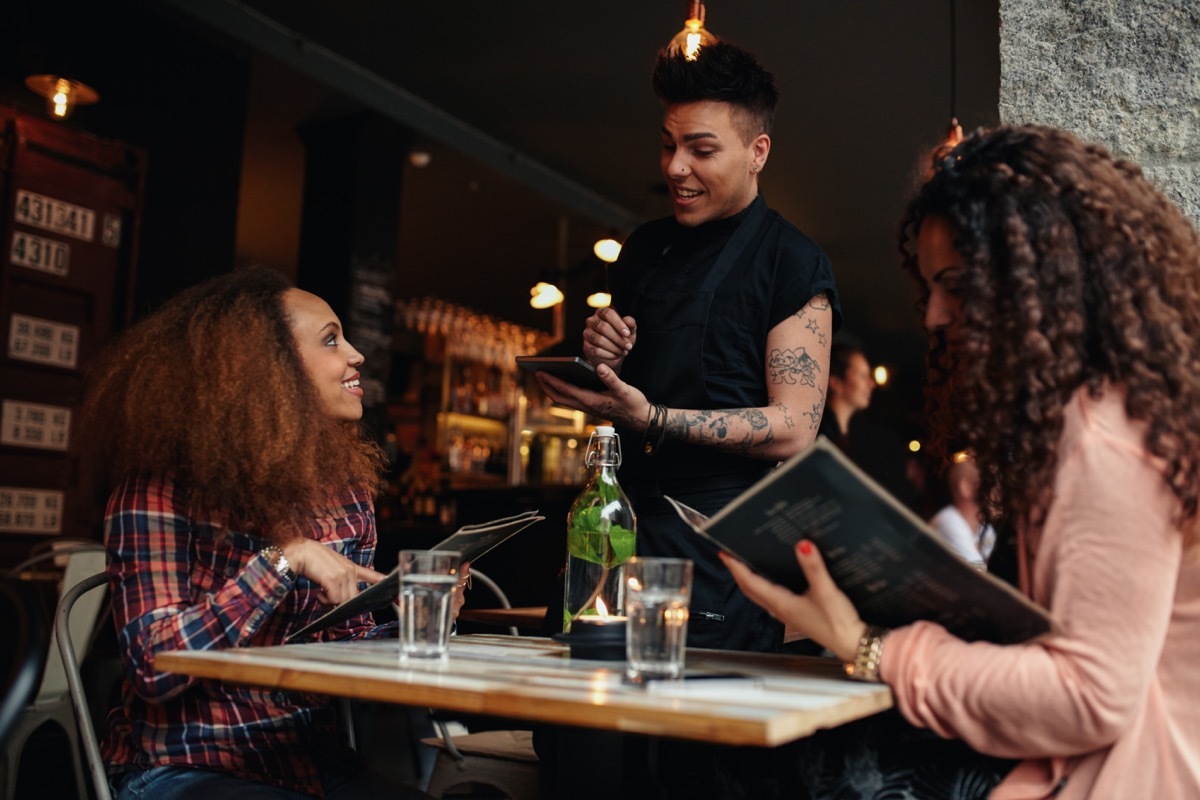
523, 617
781, 699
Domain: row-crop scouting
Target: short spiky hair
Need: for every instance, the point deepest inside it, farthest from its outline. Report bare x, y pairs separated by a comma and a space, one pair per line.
724, 73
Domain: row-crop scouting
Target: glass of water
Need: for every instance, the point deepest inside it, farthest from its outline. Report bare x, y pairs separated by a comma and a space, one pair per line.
657, 591
428, 581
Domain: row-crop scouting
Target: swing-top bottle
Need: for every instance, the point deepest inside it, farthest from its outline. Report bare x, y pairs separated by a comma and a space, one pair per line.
601, 531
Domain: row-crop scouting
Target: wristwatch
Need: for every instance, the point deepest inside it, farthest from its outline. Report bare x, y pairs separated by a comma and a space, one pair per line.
865, 666
278, 561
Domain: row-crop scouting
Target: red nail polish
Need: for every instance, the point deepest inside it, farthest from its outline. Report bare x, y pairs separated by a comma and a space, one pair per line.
806, 548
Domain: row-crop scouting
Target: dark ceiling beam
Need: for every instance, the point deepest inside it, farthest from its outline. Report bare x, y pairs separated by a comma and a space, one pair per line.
265, 35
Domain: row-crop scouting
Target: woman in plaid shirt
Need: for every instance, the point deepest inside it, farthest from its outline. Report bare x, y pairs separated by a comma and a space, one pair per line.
242, 510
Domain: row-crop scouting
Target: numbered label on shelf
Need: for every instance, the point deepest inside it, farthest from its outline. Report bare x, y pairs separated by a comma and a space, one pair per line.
44, 255
111, 235
43, 342
57, 216
34, 425
30, 510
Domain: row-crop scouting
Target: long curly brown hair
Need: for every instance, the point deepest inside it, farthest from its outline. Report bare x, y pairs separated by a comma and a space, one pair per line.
211, 388
1078, 273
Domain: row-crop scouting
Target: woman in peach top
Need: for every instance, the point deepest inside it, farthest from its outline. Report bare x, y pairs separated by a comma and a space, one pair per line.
1061, 293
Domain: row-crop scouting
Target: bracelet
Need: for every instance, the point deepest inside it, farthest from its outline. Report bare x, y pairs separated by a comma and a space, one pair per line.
656, 429
648, 434
278, 562
865, 666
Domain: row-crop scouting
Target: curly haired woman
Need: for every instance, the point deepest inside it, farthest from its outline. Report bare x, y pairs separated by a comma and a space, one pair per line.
1061, 292
242, 509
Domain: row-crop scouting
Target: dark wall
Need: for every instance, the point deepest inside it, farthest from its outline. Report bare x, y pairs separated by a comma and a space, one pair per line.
174, 93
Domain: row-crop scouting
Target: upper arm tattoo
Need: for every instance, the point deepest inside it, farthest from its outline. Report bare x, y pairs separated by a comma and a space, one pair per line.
783, 409
814, 416
818, 303
793, 367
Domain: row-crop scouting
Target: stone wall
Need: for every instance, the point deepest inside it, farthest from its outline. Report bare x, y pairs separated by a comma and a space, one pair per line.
1125, 73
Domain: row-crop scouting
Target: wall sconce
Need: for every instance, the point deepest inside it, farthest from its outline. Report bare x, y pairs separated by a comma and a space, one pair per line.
545, 295
62, 94
693, 36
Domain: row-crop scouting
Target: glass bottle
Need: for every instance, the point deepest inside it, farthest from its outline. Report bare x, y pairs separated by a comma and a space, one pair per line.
601, 530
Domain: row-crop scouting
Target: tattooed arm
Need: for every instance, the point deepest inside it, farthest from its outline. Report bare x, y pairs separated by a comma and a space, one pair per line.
796, 369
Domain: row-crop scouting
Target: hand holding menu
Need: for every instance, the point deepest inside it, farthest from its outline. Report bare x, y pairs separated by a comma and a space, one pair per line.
890, 564
472, 541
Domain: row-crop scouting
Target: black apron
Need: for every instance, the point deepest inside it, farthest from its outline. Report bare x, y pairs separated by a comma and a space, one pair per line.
667, 362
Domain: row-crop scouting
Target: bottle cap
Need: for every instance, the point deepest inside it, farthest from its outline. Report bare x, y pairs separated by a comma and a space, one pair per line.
605, 430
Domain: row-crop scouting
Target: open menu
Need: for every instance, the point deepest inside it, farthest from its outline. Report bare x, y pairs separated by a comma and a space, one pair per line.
472, 541
892, 566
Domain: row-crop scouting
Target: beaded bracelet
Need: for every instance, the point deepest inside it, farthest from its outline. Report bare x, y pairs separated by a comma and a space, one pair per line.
865, 666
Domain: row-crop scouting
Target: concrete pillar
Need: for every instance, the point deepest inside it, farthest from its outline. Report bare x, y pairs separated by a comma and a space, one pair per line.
1124, 73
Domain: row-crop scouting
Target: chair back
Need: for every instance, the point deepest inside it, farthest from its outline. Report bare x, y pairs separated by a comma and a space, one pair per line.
26, 634
70, 664
495, 589
82, 562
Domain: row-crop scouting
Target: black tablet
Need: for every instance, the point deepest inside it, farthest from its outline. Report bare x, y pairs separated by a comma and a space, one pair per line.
571, 369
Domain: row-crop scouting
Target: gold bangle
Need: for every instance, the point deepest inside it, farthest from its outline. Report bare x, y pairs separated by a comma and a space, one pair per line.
865, 666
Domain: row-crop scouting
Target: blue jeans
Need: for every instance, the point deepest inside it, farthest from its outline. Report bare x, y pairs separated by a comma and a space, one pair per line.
185, 783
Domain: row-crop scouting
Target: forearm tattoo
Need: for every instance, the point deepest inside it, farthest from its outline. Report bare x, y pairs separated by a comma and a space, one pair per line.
617, 414
737, 430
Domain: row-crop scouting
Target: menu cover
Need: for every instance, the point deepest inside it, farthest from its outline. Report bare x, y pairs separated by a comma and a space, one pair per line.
892, 566
473, 541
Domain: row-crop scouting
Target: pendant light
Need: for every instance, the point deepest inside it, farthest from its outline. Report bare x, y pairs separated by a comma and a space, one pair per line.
62, 94
693, 36
954, 132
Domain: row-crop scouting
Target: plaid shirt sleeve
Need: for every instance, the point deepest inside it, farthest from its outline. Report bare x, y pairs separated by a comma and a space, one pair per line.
157, 604
181, 584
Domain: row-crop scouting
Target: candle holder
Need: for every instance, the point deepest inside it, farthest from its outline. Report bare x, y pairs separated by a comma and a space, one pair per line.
596, 638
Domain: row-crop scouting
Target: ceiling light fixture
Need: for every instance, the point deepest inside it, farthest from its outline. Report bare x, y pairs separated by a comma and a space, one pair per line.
693, 36
545, 295
62, 94
607, 250
954, 132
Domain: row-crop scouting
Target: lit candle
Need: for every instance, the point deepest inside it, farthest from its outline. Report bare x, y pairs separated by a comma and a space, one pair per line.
599, 636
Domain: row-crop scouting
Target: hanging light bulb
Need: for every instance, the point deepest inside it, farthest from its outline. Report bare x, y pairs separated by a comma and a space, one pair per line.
954, 133
545, 295
693, 36
62, 94
607, 250
599, 300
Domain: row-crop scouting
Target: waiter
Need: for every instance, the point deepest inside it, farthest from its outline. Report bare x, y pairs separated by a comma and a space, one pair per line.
719, 370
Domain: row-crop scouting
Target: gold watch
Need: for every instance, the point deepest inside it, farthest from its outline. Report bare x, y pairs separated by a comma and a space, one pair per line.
865, 666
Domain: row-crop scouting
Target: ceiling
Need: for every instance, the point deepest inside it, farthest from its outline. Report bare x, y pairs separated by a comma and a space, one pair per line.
865, 89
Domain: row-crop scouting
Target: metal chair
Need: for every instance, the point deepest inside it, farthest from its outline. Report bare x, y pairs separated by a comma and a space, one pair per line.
87, 733
52, 702
503, 760
26, 636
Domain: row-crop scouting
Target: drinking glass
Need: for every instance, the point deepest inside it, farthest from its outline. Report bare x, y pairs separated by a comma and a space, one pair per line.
428, 581
657, 591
